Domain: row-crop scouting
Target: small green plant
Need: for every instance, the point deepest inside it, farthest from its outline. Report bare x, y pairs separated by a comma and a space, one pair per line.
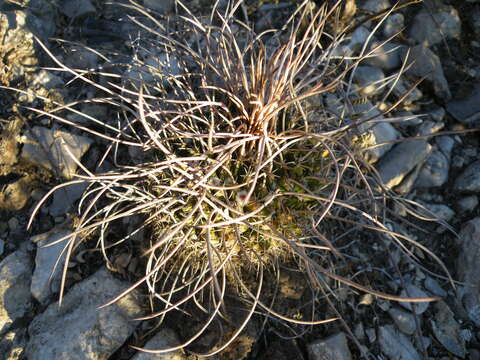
237, 171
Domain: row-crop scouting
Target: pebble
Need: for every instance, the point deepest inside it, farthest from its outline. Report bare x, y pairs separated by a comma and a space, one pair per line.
467, 203
434, 287
369, 79
412, 291
159, 5
447, 330
400, 160
393, 24
469, 180
396, 345
404, 320
434, 172
64, 198
15, 299
467, 267
430, 28
386, 57
86, 332
77, 8
51, 150
421, 61
467, 109
332, 348
163, 339
46, 277
13, 224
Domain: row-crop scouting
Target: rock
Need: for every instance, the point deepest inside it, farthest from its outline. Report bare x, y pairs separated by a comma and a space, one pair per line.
447, 330
430, 28
15, 195
87, 112
15, 299
466, 110
421, 61
376, 135
411, 291
438, 114
86, 332
441, 211
77, 8
393, 24
395, 345
47, 80
164, 339
404, 320
2, 246
358, 39
46, 277
474, 21
467, 203
401, 88
369, 79
400, 160
434, 287
469, 179
332, 348
468, 270
434, 171
48, 148
12, 344
64, 198
80, 58
430, 127
374, 5
445, 145
160, 5
386, 57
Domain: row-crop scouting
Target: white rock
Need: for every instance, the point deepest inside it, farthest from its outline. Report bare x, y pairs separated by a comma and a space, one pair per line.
46, 278
15, 299
48, 148
165, 338
79, 330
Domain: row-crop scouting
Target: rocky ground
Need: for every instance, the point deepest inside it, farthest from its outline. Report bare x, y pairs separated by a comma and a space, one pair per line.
440, 170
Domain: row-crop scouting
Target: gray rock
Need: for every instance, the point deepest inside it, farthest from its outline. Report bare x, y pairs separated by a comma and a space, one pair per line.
438, 114
378, 134
2, 246
404, 320
15, 298
87, 112
467, 203
80, 58
46, 277
332, 348
411, 291
430, 127
369, 79
47, 80
447, 330
431, 28
86, 332
474, 20
467, 110
358, 39
77, 8
441, 211
64, 198
164, 339
468, 270
445, 145
434, 287
160, 5
401, 88
396, 345
423, 62
386, 57
400, 160
393, 24
469, 179
48, 148
374, 5
434, 172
